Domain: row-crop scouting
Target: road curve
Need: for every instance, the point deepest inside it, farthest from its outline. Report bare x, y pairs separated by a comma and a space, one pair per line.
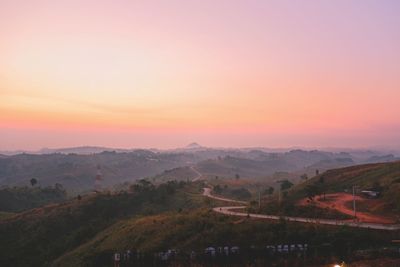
199, 175
207, 193
232, 211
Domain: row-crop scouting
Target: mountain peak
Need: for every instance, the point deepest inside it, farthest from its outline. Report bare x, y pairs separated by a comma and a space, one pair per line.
193, 145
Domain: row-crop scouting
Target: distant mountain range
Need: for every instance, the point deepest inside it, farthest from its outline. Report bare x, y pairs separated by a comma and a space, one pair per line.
86, 150
361, 154
69, 150
76, 168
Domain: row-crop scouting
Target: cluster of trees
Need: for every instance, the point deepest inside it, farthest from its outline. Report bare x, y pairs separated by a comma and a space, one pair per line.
269, 191
169, 187
142, 185
316, 189
285, 185
218, 189
16, 199
33, 181
241, 193
237, 193
245, 194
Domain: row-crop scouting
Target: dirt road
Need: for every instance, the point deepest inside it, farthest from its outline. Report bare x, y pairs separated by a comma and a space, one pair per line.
233, 211
342, 203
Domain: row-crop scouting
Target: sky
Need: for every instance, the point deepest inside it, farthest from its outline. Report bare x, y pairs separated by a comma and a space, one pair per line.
235, 73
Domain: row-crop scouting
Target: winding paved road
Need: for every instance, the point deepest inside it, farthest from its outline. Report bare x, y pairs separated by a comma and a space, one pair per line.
232, 211
207, 193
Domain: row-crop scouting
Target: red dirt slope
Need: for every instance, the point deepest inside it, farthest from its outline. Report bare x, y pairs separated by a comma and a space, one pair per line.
340, 202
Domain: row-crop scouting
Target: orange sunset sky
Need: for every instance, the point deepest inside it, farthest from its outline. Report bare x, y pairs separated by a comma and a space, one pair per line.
222, 73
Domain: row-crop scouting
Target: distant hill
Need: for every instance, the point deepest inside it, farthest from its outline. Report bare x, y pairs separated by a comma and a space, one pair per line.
76, 168
257, 164
245, 168
83, 150
180, 174
328, 164
77, 172
383, 158
74, 150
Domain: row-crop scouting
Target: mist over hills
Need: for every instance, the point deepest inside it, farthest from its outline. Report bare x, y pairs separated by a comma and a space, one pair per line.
76, 168
68, 150
358, 153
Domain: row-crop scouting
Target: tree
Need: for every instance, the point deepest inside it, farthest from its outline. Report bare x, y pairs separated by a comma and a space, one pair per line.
217, 189
241, 193
316, 172
269, 191
33, 181
207, 201
253, 203
377, 186
322, 181
304, 177
59, 187
313, 190
286, 184
142, 186
237, 176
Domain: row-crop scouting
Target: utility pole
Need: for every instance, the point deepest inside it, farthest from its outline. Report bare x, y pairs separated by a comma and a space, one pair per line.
354, 202
259, 199
279, 193
279, 196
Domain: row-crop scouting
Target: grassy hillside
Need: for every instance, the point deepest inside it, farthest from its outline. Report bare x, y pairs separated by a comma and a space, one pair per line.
43, 234
362, 175
5, 215
85, 232
382, 177
365, 176
202, 228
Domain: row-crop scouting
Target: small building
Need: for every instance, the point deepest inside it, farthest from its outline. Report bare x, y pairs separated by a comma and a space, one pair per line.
371, 193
